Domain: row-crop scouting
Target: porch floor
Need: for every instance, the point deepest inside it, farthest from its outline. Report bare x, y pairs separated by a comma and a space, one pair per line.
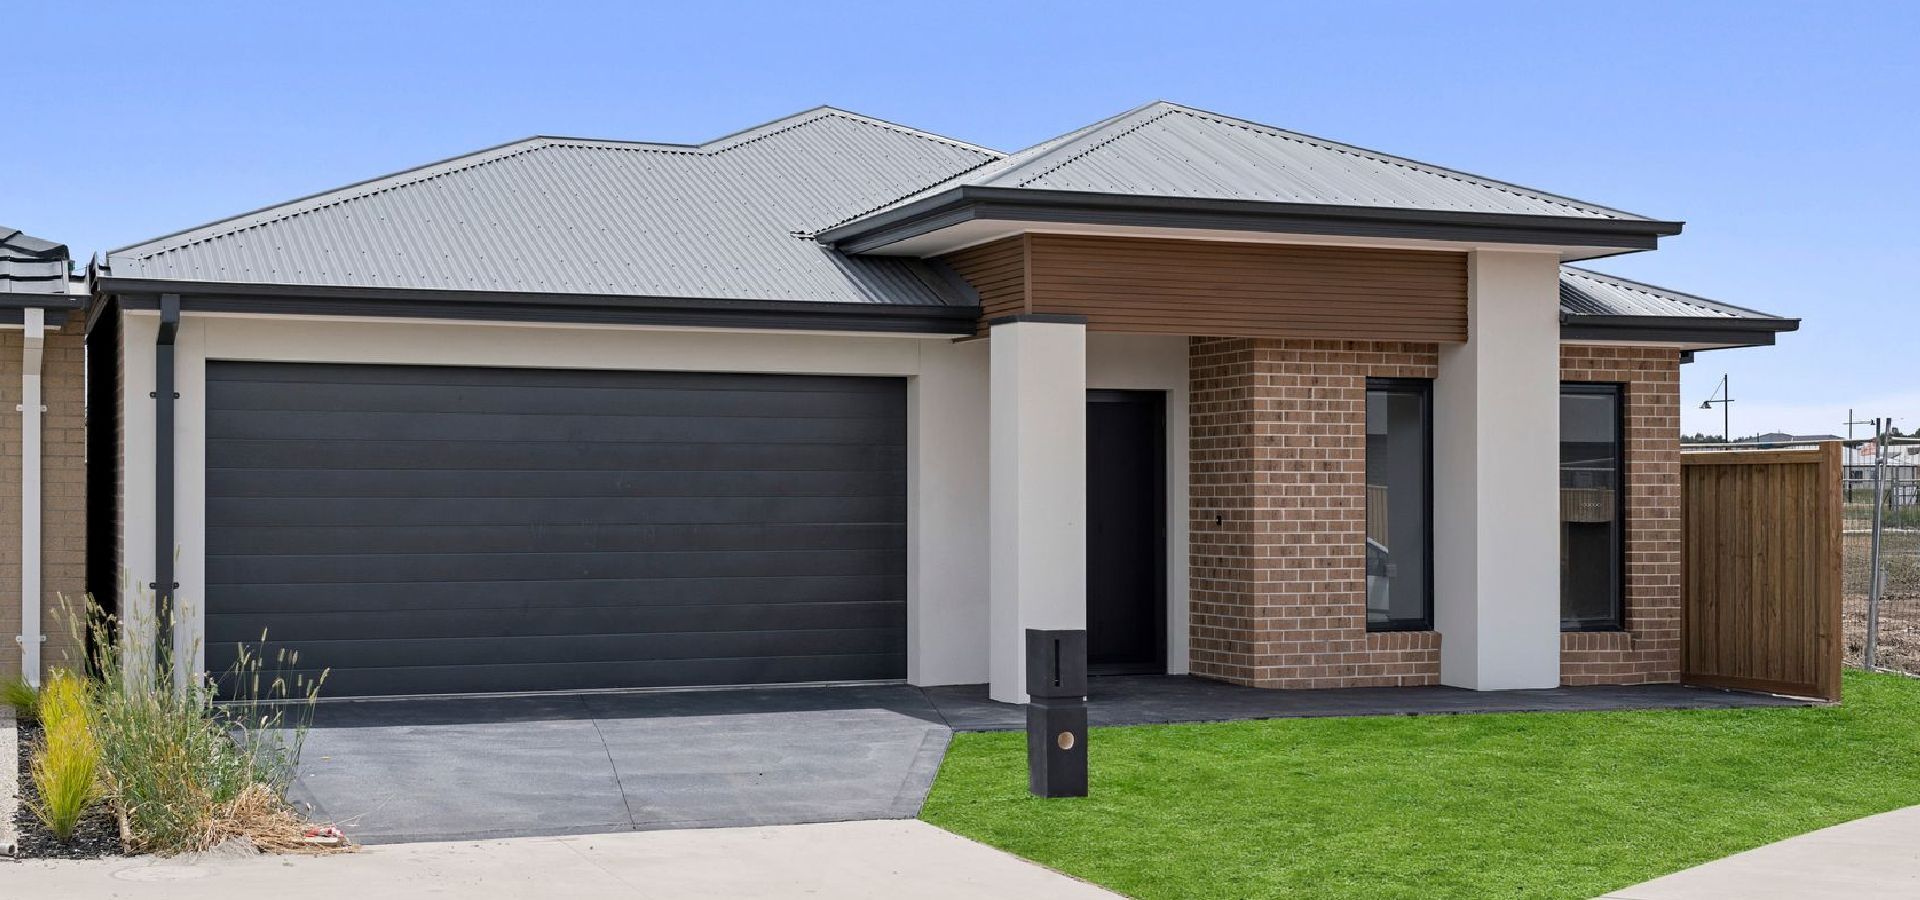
1165, 699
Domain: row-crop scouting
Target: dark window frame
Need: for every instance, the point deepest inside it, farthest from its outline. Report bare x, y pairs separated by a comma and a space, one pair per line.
1618, 391
1424, 388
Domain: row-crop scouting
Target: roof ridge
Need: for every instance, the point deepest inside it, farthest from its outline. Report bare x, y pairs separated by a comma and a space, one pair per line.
428, 171
335, 196
1070, 138
1063, 139
1658, 291
754, 133
1508, 187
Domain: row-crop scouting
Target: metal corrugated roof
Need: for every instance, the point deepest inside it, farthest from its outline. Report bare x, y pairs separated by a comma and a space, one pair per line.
1584, 292
1168, 150
31, 265
730, 219
723, 220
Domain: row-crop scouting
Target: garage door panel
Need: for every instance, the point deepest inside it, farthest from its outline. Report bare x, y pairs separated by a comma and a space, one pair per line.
566, 511
389, 568
271, 598
491, 378
401, 653
549, 400
574, 676
382, 539
436, 529
291, 629
355, 483
325, 453
452, 428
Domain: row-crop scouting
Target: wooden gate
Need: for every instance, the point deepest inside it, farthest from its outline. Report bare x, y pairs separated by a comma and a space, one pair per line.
1762, 570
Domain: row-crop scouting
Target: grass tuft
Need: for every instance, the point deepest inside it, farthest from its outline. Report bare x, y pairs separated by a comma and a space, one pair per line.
66, 767
188, 767
23, 697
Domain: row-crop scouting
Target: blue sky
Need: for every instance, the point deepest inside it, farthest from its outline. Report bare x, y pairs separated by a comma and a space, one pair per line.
1784, 134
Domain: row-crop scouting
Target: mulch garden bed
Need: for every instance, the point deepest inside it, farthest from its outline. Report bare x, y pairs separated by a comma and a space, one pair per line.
98, 835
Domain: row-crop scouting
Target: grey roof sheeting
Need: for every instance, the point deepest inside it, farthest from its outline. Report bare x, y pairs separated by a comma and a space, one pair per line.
731, 219
1584, 292
722, 220
1164, 149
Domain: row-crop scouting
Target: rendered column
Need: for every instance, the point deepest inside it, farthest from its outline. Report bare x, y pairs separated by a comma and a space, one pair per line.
1497, 479
1037, 491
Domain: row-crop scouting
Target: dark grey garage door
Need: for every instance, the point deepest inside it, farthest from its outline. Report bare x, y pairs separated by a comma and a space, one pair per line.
424, 529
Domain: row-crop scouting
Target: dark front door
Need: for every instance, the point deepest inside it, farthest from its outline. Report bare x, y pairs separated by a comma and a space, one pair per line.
1126, 532
424, 529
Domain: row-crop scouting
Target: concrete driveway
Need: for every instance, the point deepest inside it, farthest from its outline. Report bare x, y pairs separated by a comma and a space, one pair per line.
850, 860
435, 770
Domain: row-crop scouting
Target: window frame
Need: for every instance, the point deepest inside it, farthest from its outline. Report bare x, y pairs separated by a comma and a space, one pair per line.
1424, 388
1618, 391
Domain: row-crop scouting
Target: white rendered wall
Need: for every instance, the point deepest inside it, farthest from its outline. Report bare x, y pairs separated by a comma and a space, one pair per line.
947, 534
1496, 479
1037, 456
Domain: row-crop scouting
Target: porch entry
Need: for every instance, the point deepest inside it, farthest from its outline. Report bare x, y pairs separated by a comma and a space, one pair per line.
1126, 532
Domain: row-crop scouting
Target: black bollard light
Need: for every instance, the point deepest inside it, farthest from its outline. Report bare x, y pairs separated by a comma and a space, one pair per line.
1057, 713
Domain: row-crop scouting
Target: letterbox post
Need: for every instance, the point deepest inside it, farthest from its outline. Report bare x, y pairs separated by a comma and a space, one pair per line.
1057, 713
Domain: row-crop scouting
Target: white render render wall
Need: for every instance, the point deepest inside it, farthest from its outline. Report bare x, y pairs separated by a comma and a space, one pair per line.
947, 396
1496, 479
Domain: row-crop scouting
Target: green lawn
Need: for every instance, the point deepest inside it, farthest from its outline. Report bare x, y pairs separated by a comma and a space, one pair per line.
1525, 806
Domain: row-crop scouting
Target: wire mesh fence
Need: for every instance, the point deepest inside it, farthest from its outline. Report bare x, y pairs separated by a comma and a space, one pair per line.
1897, 644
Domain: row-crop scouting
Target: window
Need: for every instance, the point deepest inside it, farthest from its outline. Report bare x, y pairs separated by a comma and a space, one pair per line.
1592, 536
1399, 505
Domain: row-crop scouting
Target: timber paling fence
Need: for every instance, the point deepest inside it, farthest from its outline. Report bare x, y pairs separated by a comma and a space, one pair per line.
1762, 569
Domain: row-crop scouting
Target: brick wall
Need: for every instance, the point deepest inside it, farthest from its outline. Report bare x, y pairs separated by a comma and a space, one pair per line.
1278, 483
63, 494
1649, 650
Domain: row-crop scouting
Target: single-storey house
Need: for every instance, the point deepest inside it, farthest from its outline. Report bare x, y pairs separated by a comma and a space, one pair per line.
835, 399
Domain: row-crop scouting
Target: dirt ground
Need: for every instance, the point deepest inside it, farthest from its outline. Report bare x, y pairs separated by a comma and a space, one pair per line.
1899, 646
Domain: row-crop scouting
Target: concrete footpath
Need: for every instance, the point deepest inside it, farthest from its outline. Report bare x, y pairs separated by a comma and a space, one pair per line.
1866, 859
9, 780
888, 859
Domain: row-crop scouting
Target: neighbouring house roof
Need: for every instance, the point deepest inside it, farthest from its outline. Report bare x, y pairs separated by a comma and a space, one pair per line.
31, 265
735, 219
36, 273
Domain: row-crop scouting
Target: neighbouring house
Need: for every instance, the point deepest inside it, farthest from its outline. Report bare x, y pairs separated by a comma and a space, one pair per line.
835, 399
43, 515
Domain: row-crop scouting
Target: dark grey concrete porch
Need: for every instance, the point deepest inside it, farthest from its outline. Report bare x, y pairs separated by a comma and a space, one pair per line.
1168, 699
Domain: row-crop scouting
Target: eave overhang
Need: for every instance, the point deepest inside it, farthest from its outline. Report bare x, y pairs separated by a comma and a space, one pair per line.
1696, 333
968, 203
500, 306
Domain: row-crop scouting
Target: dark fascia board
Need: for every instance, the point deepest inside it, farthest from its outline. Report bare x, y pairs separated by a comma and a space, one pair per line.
585, 309
1721, 333
13, 307
970, 203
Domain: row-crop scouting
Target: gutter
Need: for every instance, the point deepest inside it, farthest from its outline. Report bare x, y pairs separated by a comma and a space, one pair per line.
31, 638
583, 309
1717, 333
164, 396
